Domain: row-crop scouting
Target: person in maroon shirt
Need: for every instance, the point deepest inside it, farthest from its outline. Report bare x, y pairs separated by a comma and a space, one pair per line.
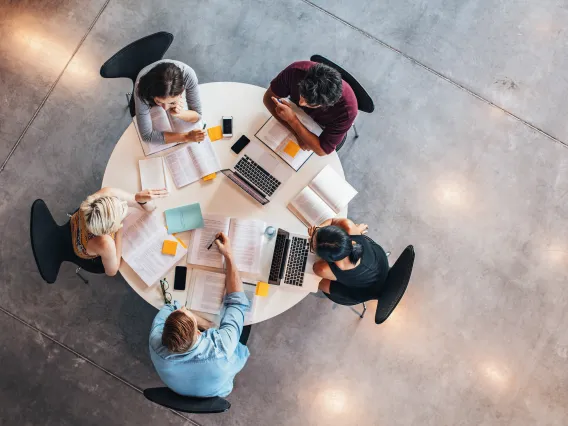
320, 91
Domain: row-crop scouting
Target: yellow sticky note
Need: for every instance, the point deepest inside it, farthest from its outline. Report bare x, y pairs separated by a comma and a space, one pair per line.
262, 289
210, 177
215, 133
292, 149
170, 247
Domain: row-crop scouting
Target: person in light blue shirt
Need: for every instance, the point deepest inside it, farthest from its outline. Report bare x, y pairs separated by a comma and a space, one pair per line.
202, 363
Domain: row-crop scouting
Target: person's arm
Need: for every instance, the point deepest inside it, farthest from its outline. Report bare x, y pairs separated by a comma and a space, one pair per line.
322, 269
109, 250
144, 199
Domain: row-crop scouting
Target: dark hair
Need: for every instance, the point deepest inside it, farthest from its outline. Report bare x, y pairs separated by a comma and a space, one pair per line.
321, 86
334, 243
165, 79
180, 332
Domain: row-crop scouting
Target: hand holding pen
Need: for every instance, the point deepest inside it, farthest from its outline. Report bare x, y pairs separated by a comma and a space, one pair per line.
223, 244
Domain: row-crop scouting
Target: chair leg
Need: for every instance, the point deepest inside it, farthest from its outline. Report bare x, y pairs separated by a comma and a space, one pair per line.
364, 310
78, 272
355, 130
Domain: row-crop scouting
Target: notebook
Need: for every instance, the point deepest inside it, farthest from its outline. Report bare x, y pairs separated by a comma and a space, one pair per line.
153, 173
323, 198
142, 242
184, 218
247, 240
283, 142
191, 162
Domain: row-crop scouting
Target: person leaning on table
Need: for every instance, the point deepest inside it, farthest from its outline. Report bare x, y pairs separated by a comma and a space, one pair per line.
351, 265
321, 92
202, 363
162, 84
96, 227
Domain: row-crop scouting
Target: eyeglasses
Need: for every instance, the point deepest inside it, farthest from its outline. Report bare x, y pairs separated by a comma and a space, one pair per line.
312, 239
167, 295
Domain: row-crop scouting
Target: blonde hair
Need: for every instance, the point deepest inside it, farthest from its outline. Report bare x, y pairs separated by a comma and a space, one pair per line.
103, 214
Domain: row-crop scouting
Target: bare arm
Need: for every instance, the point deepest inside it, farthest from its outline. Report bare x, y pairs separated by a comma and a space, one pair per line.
322, 269
109, 250
307, 138
233, 282
143, 199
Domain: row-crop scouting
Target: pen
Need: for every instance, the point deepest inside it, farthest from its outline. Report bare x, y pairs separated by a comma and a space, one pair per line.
204, 125
211, 245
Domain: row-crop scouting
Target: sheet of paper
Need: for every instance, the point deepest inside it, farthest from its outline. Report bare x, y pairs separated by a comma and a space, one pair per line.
204, 158
296, 160
310, 208
160, 119
207, 291
152, 173
333, 189
247, 237
184, 218
142, 242
201, 239
181, 167
150, 148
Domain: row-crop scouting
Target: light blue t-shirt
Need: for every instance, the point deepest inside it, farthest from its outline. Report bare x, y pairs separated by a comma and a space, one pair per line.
209, 367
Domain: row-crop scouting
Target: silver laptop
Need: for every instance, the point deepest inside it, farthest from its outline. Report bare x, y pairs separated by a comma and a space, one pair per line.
258, 172
292, 263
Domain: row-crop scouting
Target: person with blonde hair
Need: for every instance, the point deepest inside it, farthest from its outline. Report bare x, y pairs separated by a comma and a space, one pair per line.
96, 227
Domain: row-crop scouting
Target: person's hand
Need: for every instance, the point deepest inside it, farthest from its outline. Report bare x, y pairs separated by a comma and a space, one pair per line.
145, 198
284, 110
195, 136
363, 228
177, 108
224, 244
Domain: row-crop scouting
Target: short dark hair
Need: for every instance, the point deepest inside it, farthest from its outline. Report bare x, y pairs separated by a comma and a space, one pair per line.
180, 332
334, 243
321, 86
164, 80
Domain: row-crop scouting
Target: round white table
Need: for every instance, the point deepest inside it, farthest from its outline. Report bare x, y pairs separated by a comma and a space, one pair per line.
219, 196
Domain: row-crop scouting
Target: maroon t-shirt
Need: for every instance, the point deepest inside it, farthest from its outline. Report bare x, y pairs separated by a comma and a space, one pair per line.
335, 120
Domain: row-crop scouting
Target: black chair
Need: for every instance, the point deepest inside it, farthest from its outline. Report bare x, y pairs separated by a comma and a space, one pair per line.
364, 101
129, 61
187, 404
391, 292
52, 245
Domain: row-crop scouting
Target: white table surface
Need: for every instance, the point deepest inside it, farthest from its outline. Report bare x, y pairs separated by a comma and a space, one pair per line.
220, 196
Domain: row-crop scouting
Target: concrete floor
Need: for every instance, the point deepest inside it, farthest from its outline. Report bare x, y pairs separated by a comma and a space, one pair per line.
481, 336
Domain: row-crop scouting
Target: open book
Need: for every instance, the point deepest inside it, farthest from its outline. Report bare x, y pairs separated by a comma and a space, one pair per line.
283, 142
144, 235
323, 198
247, 239
191, 162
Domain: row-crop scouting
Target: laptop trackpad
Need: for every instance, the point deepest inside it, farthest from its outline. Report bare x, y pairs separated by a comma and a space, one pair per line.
275, 166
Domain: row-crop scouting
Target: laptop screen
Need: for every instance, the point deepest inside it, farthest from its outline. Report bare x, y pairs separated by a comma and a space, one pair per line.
245, 186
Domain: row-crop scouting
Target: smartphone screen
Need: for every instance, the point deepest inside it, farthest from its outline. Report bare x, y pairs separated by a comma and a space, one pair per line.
240, 144
227, 125
179, 280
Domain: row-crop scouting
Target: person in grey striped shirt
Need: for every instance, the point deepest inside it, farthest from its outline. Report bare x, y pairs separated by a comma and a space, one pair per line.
163, 84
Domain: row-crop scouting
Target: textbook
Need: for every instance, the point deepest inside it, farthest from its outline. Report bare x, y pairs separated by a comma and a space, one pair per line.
247, 240
323, 198
191, 162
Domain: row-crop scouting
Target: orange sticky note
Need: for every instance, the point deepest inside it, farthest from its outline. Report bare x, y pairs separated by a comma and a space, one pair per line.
215, 133
292, 149
170, 247
210, 177
262, 289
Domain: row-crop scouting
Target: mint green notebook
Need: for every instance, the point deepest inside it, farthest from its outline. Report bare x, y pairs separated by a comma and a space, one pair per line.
184, 218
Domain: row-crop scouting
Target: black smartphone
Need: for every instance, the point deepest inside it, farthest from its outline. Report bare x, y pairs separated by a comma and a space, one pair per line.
240, 144
227, 127
179, 280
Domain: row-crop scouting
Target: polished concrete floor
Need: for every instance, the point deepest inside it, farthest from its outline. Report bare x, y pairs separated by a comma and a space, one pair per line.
465, 157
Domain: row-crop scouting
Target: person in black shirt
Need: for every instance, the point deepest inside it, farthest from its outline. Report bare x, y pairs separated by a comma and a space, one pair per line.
352, 265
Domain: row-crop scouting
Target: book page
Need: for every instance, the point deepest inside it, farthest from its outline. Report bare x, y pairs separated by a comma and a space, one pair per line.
300, 156
142, 242
203, 158
152, 173
160, 119
201, 239
247, 237
311, 208
207, 291
333, 189
150, 148
182, 167
273, 133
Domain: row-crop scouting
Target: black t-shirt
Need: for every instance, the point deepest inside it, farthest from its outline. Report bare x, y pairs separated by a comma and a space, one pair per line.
371, 271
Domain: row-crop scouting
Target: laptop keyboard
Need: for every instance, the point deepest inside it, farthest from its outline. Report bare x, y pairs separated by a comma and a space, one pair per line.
297, 259
255, 174
277, 257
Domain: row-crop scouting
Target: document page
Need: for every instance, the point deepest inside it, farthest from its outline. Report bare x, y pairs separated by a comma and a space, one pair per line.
332, 188
273, 133
160, 119
310, 208
142, 242
203, 158
152, 173
201, 239
207, 291
247, 237
182, 167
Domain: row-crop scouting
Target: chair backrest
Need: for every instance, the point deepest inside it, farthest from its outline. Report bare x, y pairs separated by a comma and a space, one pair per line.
168, 398
364, 101
130, 60
395, 285
47, 243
